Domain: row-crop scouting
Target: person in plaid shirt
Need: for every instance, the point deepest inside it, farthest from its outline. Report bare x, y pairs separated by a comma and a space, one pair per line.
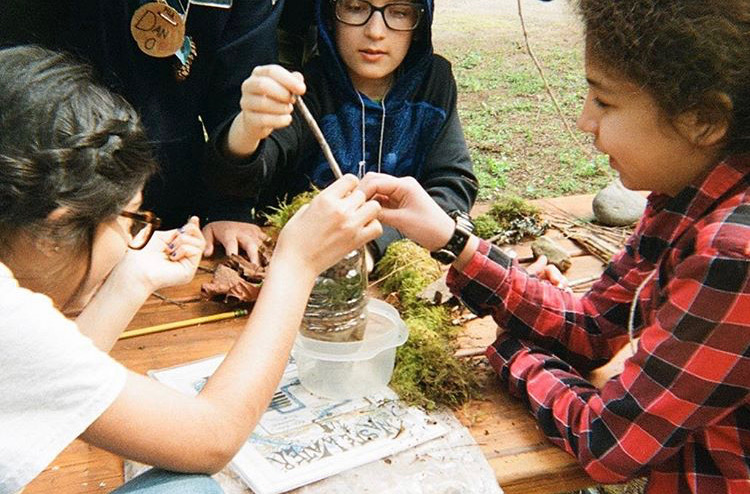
669, 103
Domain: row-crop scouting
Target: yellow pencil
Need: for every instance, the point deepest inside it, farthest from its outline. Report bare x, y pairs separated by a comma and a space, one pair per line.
182, 324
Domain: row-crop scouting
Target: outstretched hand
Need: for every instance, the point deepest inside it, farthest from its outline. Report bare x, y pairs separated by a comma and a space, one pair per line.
407, 207
337, 221
233, 236
549, 272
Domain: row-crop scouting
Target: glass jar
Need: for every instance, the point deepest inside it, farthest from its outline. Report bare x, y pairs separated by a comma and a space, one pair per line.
337, 307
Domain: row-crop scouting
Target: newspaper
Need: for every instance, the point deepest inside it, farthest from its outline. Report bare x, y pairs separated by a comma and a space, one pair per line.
302, 438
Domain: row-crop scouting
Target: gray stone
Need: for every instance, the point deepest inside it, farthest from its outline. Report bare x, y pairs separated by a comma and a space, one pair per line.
545, 246
615, 205
437, 292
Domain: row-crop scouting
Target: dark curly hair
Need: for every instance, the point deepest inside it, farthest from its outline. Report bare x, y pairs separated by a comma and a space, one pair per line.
690, 55
65, 142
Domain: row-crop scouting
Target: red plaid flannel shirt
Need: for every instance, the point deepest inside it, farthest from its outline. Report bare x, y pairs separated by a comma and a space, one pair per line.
680, 412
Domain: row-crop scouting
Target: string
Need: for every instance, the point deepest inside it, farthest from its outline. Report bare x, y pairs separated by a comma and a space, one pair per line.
633, 305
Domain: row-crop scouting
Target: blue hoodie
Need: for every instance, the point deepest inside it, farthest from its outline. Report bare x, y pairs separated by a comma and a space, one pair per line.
414, 131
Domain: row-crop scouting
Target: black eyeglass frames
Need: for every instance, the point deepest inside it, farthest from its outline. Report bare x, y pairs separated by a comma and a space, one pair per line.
398, 16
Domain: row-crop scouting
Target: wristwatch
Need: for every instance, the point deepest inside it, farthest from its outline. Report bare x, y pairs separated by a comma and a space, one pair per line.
464, 228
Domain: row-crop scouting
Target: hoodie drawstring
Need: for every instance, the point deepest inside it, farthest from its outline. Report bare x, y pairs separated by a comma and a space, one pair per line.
362, 163
382, 132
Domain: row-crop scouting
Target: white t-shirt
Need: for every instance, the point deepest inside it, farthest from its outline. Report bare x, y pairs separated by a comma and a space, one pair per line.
53, 383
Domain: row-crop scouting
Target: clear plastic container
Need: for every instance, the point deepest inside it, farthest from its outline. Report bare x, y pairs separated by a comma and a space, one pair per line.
352, 369
336, 309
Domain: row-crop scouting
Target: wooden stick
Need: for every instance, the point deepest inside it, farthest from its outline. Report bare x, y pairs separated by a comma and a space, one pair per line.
168, 300
182, 324
319, 136
470, 352
547, 87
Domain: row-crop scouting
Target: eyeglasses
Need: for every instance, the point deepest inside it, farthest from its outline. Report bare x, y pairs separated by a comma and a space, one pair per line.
142, 227
401, 16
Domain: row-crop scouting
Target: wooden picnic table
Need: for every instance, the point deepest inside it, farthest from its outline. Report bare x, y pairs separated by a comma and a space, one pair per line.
522, 458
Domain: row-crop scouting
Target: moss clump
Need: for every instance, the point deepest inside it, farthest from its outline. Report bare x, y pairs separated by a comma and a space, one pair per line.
427, 373
511, 219
407, 269
485, 226
286, 209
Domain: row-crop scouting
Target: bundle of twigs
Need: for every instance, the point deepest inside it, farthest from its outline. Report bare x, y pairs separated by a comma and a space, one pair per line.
603, 242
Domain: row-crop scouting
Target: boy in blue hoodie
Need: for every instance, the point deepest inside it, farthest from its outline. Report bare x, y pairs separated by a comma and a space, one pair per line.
384, 101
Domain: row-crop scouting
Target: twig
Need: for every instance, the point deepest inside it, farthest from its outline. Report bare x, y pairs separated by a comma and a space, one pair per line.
602, 242
470, 352
583, 281
158, 295
319, 136
547, 86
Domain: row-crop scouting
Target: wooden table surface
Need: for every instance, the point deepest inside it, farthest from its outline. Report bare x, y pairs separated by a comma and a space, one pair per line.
523, 460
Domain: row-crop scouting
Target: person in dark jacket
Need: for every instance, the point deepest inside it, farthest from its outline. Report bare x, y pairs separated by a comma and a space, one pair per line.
230, 38
384, 101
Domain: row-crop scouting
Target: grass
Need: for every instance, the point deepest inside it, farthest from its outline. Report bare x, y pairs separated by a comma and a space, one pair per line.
517, 140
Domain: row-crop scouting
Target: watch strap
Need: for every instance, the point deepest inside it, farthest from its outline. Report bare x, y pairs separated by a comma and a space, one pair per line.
464, 228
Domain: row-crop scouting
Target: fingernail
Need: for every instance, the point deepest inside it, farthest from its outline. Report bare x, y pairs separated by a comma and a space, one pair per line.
173, 254
171, 246
182, 229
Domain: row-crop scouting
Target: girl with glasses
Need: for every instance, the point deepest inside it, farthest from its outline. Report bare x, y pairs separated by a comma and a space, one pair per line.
73, 162
383, 100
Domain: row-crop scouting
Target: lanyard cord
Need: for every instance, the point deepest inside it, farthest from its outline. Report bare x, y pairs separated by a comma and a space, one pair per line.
633, 305
185, 9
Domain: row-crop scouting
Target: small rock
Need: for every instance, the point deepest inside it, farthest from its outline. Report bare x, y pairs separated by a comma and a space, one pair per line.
544, 246
615, 205
437, 292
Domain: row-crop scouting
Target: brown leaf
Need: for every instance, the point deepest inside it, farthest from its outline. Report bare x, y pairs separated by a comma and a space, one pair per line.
246, 268
228, 283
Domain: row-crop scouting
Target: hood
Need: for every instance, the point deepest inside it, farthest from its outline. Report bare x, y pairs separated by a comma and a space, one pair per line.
409, 74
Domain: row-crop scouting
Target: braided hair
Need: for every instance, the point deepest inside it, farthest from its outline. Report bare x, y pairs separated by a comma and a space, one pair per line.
66, 144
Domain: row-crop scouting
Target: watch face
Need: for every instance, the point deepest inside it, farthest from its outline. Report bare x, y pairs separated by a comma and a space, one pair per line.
443, 256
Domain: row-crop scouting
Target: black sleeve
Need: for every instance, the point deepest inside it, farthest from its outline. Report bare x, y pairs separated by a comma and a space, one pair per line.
265, 172
249, 40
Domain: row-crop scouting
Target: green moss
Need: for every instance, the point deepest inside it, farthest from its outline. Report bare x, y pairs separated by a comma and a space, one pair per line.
485, 226
407, 269
508, 208
286, 209
426, 373
512, 219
